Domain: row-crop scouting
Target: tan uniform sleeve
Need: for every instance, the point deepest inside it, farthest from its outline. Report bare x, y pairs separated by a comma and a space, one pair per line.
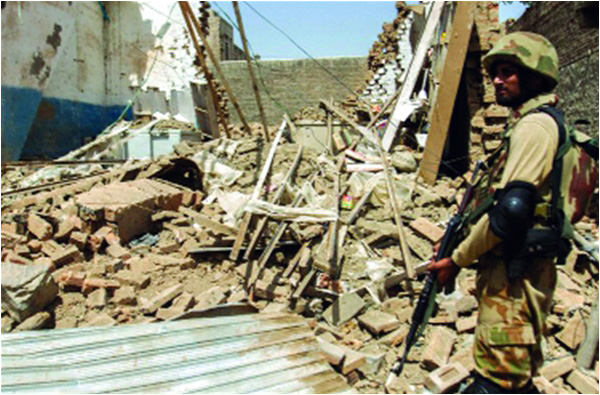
533, 145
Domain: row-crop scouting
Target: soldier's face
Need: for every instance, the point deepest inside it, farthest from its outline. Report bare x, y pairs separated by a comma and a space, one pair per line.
507, 85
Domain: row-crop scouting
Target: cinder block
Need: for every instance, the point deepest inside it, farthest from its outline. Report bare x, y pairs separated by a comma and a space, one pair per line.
438, 349
427, 229
446, 378
558, 368
582, 382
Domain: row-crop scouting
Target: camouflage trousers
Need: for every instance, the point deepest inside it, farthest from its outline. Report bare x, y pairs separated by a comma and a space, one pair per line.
511, 323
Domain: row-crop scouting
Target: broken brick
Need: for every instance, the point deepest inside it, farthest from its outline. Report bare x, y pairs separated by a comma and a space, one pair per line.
66, 255
79, 239
41, 228
573, 333
438, 348
466, 324
379, 322
70, 278
127, 277
97, 298
582, 382
446, 379
161, 299
352, 360
125, 296
118, 251
558, 368
344, 308
427, 229
92, 283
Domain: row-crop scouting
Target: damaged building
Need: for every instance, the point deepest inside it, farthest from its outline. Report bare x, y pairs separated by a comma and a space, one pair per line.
181, 216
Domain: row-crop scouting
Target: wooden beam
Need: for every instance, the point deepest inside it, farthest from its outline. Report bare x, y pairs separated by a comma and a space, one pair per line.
448, 87
263, 118
186, 11
408, 85
215, 63
346, 118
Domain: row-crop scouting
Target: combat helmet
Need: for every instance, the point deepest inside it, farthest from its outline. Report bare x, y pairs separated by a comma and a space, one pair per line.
529, 50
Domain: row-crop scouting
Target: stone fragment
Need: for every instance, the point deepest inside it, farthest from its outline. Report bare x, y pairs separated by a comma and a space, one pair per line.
446, 379
558, 368
41, 228
378, 322
125, 296
37, 321
344, 308
425, 228
438, 348
573, 333
26, 289
161, 299
582, 382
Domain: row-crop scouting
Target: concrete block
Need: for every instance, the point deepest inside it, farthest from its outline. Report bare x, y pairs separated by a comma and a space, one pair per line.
41, 228
558, 368
439, 348
582, 382
573, 333
37, 321
26, 289
427, 229
344, 308
379, 322
446, 379
161, 299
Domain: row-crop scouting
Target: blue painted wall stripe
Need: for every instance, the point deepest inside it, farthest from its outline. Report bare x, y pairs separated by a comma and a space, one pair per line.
19, 106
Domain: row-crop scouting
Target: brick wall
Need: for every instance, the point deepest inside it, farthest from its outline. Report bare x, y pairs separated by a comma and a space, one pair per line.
293, 84
577, 45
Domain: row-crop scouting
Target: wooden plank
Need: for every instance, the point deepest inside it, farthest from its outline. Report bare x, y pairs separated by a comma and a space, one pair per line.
412, 75
448, 87
303, 255
206, 222
304, 284
261, 111
215, 63
346, 118
262, 223
255, 194
188, 15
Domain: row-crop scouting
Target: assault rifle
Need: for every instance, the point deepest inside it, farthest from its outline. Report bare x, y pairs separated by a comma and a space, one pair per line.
422, 312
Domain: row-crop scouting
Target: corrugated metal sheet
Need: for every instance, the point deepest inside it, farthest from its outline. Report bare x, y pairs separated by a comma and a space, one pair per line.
269, 353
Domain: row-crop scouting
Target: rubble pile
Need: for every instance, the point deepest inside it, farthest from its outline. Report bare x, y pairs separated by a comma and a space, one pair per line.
151, 240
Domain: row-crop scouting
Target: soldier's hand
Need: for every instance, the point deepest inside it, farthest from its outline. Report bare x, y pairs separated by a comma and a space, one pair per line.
446, 270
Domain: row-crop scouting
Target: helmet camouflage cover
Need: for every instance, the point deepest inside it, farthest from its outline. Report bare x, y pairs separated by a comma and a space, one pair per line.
529, 50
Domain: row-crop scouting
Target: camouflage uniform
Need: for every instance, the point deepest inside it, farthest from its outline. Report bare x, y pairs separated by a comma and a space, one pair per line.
512, 314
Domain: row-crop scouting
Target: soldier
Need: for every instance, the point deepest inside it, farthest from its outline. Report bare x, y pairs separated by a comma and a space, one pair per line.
514, 294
